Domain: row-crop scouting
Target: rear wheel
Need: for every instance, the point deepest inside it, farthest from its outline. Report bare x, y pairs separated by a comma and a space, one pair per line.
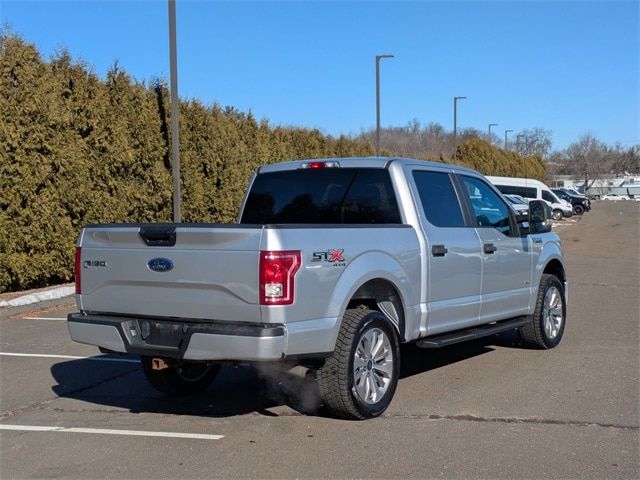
359, 380
557, 214
185, 378
548, 320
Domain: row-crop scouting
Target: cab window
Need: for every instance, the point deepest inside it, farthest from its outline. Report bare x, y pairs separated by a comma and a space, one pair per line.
328, 195
438, 198
489, 209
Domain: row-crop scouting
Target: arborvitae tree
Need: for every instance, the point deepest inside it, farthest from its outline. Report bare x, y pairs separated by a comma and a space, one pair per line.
200, 163
33, 223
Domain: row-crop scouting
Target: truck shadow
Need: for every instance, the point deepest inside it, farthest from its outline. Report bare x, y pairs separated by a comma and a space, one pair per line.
238, 390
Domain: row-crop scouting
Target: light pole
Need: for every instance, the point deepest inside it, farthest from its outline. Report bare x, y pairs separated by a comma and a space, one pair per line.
455, 120
378, 58
175, 112
505, 138
491, 125
518, 142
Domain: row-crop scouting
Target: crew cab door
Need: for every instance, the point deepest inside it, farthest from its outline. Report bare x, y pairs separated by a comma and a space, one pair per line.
453, 258
507, 256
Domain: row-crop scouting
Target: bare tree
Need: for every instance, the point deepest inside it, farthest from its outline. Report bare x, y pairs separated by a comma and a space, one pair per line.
430, 142
535, 141
624, 160
586, 159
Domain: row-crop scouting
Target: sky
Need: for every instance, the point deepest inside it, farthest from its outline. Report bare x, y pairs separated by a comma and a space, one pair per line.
570, 67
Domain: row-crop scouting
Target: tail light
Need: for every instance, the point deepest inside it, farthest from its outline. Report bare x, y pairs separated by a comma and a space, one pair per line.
76, 269
277, 272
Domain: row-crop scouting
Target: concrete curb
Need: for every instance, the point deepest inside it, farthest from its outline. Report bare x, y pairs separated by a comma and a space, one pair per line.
34, 300
8, 312
39, 296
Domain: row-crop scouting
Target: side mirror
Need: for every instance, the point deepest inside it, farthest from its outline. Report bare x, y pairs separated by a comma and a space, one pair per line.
539, 217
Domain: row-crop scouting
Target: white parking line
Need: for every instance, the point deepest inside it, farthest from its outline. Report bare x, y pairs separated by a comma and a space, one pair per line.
71, 357
44, 318
103, 431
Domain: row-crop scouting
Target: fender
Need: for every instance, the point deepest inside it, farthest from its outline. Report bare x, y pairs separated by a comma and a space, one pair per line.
551, 250
359, 272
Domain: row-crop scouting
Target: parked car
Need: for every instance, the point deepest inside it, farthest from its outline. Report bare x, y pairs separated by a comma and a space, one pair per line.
332, 264
517, 199
533, 189
573, 191
519, 204
580, 204
615, 196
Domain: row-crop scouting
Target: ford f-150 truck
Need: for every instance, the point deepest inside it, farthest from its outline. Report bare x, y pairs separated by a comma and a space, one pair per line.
332, 264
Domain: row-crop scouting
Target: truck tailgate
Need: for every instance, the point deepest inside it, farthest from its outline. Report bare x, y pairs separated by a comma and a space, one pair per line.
190, 271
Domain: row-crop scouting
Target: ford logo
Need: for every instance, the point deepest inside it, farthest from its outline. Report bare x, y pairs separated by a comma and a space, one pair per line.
160, 264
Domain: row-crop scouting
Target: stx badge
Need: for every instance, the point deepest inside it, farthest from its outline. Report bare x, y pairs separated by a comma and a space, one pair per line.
333, 255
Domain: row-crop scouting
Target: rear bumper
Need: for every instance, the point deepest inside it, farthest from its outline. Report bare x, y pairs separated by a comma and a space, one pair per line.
184, 340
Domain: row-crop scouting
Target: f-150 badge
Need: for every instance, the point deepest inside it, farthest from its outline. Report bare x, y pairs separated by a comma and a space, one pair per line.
333, 255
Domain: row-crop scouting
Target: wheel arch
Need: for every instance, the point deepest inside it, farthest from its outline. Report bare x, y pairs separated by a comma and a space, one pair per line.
389, 288
555, 267
382, 295
550, 261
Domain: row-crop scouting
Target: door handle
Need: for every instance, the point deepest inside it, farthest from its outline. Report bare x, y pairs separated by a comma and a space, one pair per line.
489, 248
438, 250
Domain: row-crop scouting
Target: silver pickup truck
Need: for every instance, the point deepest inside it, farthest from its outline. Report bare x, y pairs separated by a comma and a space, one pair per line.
332, 264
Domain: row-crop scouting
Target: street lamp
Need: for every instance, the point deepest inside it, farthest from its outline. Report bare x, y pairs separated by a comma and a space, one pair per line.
491, 125
175, 112
455, 120
505, 138
378, 58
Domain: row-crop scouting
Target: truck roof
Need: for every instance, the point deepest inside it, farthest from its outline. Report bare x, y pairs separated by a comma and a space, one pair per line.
364, 162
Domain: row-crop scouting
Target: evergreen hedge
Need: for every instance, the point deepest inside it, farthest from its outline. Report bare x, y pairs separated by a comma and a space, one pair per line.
489, 160
78, 149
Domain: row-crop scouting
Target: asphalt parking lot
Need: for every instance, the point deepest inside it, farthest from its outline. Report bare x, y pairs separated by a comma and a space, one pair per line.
487, 409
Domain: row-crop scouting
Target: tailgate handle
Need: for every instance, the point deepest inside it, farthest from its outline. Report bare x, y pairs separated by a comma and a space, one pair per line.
158, 236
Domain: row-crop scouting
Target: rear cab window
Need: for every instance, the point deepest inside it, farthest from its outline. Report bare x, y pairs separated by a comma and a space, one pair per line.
438, 198
322, 196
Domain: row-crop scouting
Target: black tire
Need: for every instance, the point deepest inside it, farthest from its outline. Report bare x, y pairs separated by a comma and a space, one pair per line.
534, 333
578, 209
557, 214
186, 378
338, 390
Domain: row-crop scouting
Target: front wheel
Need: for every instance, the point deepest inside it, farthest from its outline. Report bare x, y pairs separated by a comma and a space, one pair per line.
185, 378
557, 214
359, 380
547, 323
578, 209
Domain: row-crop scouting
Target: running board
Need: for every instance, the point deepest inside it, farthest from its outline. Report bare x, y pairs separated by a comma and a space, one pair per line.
445, 339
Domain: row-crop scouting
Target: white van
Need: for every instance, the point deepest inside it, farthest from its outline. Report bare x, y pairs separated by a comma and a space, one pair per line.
533, 190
